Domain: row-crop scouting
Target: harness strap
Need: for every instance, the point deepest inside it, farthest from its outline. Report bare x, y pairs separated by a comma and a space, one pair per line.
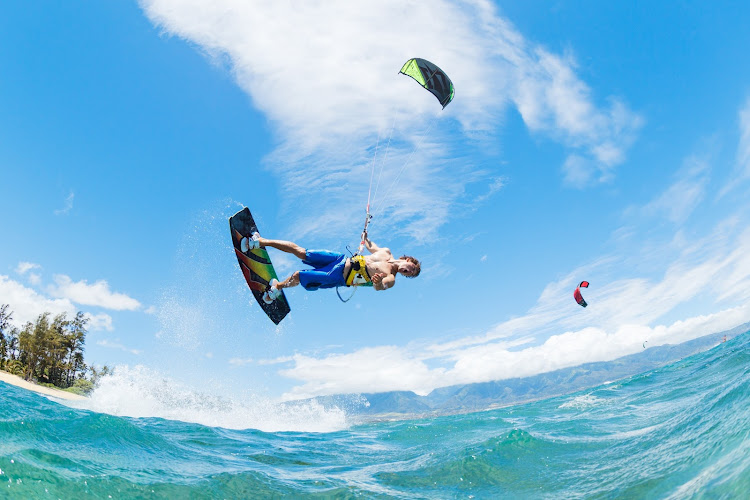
358, 272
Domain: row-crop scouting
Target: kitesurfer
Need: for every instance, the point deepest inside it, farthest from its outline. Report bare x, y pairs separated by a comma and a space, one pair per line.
333, 269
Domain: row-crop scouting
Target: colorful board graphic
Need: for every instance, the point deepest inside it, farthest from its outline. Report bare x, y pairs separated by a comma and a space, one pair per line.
256, 265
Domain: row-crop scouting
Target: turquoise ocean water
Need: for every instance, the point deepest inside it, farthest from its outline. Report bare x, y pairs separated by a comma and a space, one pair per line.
681, 431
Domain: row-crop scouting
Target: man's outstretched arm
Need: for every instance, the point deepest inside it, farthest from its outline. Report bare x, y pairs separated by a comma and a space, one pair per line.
369, 245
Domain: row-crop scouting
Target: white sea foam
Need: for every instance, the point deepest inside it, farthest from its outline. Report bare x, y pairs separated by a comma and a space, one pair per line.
141, 392
581, 402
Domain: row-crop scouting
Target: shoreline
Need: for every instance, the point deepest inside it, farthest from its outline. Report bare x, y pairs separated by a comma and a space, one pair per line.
17, 381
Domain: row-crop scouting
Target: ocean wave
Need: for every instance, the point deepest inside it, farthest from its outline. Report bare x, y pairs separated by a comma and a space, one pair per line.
681, 431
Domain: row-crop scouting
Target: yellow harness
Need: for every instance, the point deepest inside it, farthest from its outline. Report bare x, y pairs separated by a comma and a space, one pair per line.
358, 273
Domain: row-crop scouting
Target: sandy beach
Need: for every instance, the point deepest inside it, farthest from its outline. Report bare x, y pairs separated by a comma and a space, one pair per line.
30, 386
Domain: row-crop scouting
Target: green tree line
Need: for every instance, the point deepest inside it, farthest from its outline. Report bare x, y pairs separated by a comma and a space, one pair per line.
48, 351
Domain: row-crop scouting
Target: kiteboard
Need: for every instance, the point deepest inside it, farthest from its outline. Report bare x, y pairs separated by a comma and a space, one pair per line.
256, 265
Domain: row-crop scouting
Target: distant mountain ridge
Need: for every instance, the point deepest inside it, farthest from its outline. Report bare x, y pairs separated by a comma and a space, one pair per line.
487, 395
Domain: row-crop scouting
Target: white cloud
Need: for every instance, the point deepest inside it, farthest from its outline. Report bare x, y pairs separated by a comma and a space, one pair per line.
391, 368
331, 96
373, 369
552, 99
494, 186
578, 171
741, 171
678, 201
68, 205
100, 321
117, 345
24, 267
97, 294
276, 361
555, 333
240, 361
492, 362
743, 150
27, 304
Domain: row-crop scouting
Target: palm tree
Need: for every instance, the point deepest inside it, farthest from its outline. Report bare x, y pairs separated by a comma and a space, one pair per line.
76, 338
5, 318
48, 351
11, 339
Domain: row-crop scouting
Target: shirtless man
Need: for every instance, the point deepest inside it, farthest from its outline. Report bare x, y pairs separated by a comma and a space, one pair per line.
332, 269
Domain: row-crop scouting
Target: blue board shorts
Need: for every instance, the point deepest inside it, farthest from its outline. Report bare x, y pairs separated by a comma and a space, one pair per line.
328, 272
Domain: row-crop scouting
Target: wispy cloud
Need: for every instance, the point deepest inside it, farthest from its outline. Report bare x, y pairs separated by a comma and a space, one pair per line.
275, 361
680, 199
741, 171
743, 150
96, 294
117, 345
553, 100
494, 186
68, 205
241, 361
555, 333
329, 99
24, 267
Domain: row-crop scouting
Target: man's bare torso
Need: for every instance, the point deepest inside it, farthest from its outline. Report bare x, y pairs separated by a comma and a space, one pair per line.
376, 263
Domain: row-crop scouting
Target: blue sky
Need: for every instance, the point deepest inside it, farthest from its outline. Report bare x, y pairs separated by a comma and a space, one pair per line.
601, 141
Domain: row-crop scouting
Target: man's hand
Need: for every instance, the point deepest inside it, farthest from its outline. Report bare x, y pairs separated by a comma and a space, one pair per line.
382, 281
377, 281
